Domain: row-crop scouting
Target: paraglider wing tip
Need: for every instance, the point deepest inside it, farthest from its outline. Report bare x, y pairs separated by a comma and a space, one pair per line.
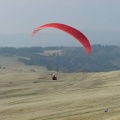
33, 33
88, 50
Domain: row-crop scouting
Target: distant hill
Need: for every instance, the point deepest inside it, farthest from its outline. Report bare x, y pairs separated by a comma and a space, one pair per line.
69, 59
49, 38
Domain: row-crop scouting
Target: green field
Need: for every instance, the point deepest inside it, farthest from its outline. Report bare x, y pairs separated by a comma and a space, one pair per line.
28, 93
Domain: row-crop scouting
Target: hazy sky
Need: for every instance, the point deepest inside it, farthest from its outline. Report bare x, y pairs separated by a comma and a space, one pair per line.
99, 20
22, 16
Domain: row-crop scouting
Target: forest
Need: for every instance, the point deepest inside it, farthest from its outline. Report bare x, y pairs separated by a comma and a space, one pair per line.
68, 59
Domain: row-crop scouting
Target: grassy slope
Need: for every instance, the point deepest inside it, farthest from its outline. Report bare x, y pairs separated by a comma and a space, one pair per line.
28, 93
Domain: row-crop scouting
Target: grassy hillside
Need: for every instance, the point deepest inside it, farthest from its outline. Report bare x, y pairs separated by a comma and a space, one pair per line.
28, 93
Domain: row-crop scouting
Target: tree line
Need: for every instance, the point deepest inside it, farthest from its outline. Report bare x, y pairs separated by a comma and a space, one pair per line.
69, 59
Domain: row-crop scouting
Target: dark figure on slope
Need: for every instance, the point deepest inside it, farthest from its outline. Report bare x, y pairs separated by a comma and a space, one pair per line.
54, 77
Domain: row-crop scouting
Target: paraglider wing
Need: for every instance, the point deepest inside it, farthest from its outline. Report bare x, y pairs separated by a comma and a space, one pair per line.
70, 30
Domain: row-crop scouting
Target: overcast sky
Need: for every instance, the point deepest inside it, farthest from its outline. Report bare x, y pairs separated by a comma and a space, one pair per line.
22, 16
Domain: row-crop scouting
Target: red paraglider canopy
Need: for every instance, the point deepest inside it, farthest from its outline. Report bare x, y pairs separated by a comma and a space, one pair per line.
70, 30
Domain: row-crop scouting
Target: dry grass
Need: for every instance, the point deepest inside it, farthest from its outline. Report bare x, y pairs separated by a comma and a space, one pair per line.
28, 93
